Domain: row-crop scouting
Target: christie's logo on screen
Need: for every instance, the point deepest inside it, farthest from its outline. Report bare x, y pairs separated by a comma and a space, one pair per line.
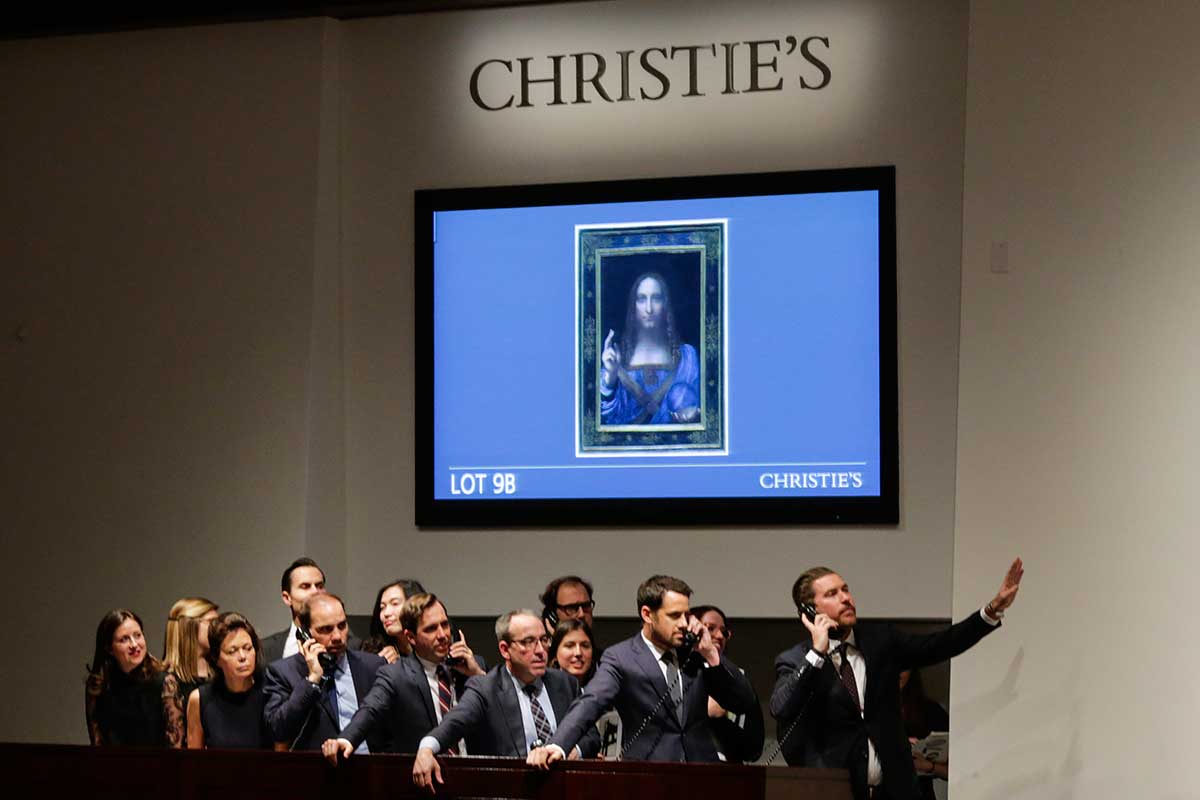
810, 480
653, 73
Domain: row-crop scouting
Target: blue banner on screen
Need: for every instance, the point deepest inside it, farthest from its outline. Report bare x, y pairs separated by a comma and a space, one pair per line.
718, 347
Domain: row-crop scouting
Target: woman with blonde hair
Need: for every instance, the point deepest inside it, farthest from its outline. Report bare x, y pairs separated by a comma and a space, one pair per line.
185, 644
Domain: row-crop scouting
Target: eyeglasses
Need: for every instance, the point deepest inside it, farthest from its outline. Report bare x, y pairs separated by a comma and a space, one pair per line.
571, 609
529, 641
713, 629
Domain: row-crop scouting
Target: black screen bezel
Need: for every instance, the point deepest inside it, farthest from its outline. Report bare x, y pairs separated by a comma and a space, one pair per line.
707, 511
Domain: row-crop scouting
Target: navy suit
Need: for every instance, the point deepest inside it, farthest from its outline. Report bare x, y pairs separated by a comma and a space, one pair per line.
399, 706
290, 698
630, 680
488, 715
822, 723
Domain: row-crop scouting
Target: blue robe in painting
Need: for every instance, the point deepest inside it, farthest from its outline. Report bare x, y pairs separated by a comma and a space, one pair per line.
641, 398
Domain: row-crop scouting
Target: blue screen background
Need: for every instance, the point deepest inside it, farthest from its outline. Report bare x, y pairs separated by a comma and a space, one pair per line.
802, 365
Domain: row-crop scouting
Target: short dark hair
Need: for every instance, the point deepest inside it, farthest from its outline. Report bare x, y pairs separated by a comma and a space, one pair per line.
306, 609
802, 589
285, 584
700, 611
221, 629
550, 595
650, 593
415, 608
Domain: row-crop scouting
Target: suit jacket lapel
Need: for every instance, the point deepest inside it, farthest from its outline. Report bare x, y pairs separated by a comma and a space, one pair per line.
362, 678
645, 661
510, 710
425, 693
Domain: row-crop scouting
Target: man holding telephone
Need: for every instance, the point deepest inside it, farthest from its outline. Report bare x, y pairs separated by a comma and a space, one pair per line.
659, 681
411, 696
837, 698
312, 695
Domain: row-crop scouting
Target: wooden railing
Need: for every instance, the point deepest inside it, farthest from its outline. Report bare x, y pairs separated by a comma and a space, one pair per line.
91, 773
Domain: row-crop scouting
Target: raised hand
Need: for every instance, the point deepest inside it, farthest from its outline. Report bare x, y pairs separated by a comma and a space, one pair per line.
467, 663
610, 361
819, 628
1008, 588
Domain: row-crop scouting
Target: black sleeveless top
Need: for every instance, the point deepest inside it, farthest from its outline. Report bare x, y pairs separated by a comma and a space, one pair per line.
234, 719
130, 711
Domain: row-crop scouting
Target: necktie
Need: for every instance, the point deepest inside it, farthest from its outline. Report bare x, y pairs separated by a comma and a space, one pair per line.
674, 683
445, 698
847, 675
541, 725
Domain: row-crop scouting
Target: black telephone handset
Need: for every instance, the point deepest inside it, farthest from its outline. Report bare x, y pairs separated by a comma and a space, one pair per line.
687, 649
550, 617
327, 661
810, 611
450, 660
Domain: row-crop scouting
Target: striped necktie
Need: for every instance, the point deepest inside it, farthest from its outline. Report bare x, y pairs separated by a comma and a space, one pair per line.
445, 698
541, 725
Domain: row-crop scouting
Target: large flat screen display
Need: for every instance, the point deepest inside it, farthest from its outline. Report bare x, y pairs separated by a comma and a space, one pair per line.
670, 351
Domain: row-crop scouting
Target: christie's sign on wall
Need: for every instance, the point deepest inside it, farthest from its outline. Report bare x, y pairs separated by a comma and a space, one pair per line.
653, 73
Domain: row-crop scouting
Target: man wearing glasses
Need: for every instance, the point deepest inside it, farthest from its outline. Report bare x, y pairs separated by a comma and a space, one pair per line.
512, 709
568, 597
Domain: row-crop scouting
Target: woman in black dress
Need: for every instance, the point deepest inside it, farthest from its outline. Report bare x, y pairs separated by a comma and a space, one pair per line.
130, 699
228, 710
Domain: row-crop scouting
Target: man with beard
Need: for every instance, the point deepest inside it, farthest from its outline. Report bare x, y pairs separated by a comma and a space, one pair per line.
837, 699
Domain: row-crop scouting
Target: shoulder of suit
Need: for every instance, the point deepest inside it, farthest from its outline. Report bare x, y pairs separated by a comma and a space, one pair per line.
372, 660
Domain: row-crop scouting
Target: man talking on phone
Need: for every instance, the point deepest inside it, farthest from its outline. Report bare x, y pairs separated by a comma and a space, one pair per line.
412, 695
314, 694
658, 685
837, 698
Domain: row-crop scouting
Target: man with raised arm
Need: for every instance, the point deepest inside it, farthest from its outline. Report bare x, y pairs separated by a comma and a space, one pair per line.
837, 697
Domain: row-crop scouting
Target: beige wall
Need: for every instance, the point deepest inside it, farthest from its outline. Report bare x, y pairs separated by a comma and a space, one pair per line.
1077, 432
209, 248
896, 98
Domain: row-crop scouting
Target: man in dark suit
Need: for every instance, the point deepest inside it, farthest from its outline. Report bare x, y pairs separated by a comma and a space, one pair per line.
512, 709
411, 696
301, 580
313, 694
837, 698
663, 704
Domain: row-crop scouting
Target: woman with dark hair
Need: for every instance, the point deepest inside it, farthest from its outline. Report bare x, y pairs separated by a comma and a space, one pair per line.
228, 710
573, 650
922, 716
131, 699
387, 634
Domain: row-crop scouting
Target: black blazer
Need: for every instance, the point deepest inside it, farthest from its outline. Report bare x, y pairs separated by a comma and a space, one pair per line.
630, 680
290, 697
488, 715
822, 724
399, 706
741, 740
